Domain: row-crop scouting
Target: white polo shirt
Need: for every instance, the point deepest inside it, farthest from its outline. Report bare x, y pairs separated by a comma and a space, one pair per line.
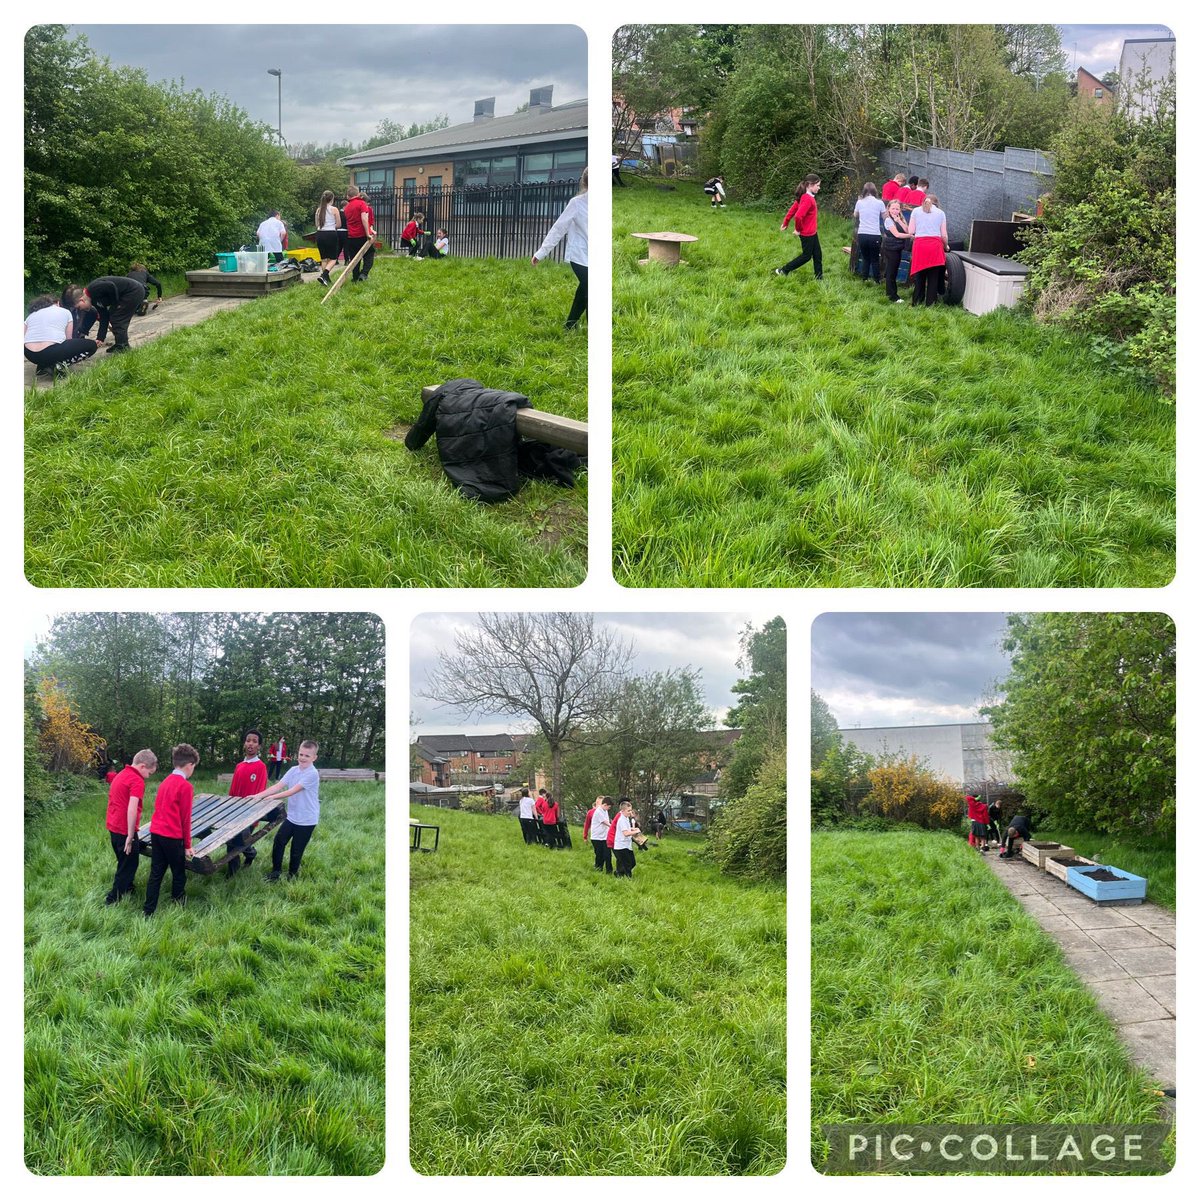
525, 811
601, 819
622, 840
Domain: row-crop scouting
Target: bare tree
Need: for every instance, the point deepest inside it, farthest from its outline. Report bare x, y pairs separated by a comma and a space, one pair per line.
556, 668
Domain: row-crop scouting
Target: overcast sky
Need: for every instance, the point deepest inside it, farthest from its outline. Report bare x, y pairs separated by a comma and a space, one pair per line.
877, 669
340, 81
1097, 48
706, 641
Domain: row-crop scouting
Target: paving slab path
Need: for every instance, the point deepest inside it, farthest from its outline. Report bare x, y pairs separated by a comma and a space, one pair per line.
1125, 955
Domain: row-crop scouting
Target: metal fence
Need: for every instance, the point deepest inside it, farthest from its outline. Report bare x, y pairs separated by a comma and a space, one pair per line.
496, 222
982, 185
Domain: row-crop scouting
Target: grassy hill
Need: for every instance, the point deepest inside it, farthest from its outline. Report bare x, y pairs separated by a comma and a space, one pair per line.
936, 999
565, 1022
776, 432
242, 1034
259, 449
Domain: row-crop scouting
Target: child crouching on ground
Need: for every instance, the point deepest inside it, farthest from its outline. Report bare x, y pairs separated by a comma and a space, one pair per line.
301, 788
171, 828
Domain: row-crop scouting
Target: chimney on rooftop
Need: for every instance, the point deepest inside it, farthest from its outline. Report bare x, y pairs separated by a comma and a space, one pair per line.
541, 99
485, 109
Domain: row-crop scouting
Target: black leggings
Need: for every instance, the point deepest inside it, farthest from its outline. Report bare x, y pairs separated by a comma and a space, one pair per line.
73, 350
869, 246
299, 836
927, 284
579, 304
812, 249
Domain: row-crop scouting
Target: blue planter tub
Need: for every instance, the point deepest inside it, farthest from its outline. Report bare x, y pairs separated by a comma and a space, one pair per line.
1128, 889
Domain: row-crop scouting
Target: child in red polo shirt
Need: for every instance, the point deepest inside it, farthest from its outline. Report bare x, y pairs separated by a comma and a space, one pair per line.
249, 778
125, 793
171, 828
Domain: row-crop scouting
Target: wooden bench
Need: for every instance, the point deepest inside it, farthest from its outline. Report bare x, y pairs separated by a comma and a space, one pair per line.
215, 821
335, 775
544, 427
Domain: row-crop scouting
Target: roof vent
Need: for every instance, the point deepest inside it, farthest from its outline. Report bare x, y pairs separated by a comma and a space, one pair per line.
541, 99
485, 109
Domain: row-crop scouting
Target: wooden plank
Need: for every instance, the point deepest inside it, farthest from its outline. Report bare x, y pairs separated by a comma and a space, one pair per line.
544, 427
337, 283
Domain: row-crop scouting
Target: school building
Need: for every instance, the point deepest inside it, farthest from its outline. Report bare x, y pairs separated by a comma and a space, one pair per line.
545, 144
964, 754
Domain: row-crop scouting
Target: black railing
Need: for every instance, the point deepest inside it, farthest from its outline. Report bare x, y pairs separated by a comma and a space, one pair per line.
497, 222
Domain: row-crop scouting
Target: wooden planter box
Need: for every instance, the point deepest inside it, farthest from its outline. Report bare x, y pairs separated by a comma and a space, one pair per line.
1056, 864
1128, 889
1038, 852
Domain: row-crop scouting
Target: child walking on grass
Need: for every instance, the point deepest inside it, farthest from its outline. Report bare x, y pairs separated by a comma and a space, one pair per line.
125, 794
171, 828
301, 788
804, 213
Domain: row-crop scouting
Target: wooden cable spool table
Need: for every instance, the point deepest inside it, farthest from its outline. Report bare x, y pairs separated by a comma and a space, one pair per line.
664, 247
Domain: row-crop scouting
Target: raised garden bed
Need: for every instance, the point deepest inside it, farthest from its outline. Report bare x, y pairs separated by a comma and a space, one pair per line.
1038, 852
1107, 885
1059, 864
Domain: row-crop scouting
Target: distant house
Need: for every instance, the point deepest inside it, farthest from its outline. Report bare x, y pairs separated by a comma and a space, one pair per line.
543, 144
1092, 88
445, 759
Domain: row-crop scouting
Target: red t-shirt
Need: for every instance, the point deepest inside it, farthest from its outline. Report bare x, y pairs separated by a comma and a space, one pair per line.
805, 212
410, 231
550, 813
587, 821
539, 807
916, 197
127, 783
890, 191
353, 215
249, 778
173, 809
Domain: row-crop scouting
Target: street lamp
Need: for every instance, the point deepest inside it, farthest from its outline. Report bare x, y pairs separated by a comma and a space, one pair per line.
279, 125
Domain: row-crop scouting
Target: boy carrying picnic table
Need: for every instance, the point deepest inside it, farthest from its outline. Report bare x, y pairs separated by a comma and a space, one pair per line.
171, 828
125, 791
303, 811
249, 777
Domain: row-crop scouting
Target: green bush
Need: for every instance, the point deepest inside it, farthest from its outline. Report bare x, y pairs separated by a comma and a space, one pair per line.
475, 804
749, 838
1103, 256
39, 794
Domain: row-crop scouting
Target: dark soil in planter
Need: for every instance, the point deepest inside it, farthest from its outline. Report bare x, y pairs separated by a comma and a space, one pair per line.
1104, 876
1074, 862
1045, 845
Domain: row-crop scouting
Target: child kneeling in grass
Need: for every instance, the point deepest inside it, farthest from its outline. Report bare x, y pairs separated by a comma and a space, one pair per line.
303, 812
171, 828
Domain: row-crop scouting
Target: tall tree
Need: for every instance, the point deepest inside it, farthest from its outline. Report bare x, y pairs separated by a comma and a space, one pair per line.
558, 669
1088, 715
761, 710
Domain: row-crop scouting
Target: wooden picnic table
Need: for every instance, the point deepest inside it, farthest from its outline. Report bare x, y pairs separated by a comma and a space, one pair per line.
215, 821
664, 247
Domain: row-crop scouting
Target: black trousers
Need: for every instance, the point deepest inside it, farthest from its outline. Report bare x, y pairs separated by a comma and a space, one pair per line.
811, 249
927, 284
617, 177
127, 865
274, 768
412, 245
603, 853
165, 852
299, 836
869, 248
579, 304
353, 246
891, 268
120, 317
528, 830
71, 351
625, 862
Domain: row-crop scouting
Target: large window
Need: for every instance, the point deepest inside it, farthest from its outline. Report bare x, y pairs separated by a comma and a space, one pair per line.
560, 164
376, 177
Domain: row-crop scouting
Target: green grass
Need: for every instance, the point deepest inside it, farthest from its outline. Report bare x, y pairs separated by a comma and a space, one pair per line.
569, 1023
773, 432
1153, 858
243, 1034
931, 988
253, 449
